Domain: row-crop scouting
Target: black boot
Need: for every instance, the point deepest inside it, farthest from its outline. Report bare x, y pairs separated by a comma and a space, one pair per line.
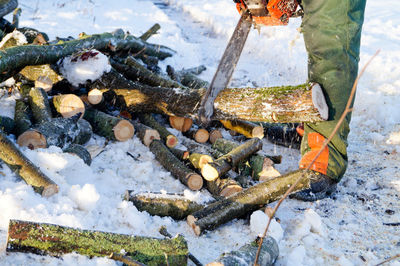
322, 186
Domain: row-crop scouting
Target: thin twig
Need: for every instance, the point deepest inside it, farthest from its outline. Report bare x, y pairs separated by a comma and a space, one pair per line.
389, 259
347, 110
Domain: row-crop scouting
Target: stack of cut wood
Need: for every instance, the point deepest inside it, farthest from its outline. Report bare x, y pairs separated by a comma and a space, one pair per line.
136, 97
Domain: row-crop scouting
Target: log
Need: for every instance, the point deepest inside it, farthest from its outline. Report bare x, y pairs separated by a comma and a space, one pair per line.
95, 96
68, 105
23, 167
21, 117
175, 206
32, 73
180, 154
60, 132
282, 134
7, 124
283, 104
169, 139
175, 166
198, 160
79, 151
108, 126
145, 134
44, 82
150, 32
56, 240
195, 147
7, 6
39, 103
182, 124
15, 58
213, 170
223, 187
200, 135
125, 260
242, 203
214, 135
246, 128
188, 77
135, 71
246, 255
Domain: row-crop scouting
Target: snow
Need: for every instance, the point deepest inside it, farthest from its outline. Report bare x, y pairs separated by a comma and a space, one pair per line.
345, 230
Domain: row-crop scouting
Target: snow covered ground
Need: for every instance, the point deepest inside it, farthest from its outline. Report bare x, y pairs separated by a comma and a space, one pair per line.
348, 229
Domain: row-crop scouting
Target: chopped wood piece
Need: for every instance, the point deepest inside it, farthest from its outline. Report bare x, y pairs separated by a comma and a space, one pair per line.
283, 134
199, 160
246, 255
175, 206
32, 139
108, 126
23, 167
200, 135
244, 202
216, 169
68, 105
170, 139
44, 82
180, 154
79, 151
95, 96
32, 73
39, 103
150, 32
214, 135
223, 187
182, 124
56, 240
246, 128
195, 147
145, 134
175, 166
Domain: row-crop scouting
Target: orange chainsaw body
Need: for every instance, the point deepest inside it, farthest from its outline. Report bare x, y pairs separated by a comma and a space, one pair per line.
270, 13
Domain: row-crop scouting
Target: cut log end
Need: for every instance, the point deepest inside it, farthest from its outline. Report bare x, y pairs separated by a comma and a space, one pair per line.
44, 82
50, 190
123, 130
258, 132
171, 141
268, 173
201, 135
150, 136
32, 139
95, 96
182, 124
214, 135
319, 101
209, 173
191, 221
195, 182
230, 190
71, 105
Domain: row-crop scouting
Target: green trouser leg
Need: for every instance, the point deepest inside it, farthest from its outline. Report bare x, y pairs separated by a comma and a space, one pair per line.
332, 31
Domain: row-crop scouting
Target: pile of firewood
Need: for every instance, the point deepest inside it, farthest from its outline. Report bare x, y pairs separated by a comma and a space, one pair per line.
123, 103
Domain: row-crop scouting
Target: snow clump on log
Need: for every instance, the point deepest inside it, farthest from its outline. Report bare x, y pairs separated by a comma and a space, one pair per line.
258, 223
83, 66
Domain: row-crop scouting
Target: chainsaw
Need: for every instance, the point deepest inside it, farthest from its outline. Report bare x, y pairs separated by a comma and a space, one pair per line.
253, 12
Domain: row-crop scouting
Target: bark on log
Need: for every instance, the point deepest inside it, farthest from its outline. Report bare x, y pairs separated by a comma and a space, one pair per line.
180, 154
188, 77
182, 124
7, 7
244, 202
15, 58
24, 168
175, 166
283, 104
39, 103
283, 134
7, 124
125, 260
68, 105
246, 255
246, 128
216, 169
21, 118
195, 147
145, 134
223, 187
79, 151
150, 32
56, 240
214, 135
108, 126
175, 206
169, 139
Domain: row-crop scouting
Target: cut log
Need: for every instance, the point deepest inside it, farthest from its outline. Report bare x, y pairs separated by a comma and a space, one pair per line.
32, 73
15, 58
145, 134
24, 168
195, 147
84, 132
135, 71
150, 32
246, 128
44, 82
95, 96
68, 105
283, 134
213, 170
242, 203
21, 118
175, 206
182, 124
199, 160
56, 240
39, 102
79, 151
188, 77
180, 154
170, 139
200, 135
223, 187
7, 7
7, 124
125, 260
175, 166
32, 139
246, 255
283, 104
214, 135
108, 126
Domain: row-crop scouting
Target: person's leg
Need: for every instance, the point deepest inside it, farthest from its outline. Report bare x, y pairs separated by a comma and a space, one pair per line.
332, 31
